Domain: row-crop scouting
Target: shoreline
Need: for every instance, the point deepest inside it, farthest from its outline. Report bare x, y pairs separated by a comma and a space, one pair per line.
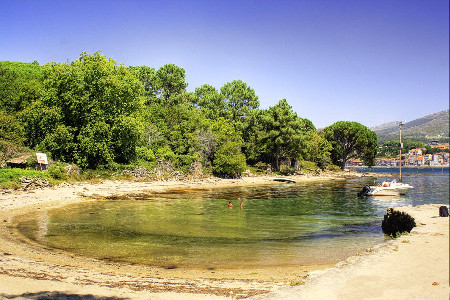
403, 167
30, 267
413, 266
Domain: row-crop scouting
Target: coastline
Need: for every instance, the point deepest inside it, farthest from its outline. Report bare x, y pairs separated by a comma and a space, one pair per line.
403, 167
27, 267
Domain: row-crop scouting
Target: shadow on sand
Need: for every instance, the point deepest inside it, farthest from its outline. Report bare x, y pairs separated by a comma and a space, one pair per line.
57, 296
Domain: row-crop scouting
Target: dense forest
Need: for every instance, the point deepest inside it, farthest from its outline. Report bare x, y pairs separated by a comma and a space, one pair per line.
99, 114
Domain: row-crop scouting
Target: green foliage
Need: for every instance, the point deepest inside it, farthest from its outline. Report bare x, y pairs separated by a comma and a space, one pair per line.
147, 76
318, 150
170, 83
32, 161
144, 153
229, 159
85, 113
124, 138
20, 85
95, 148
101, 115
11, 136
210, 101
282, 134
392, 148
166, 153
11, 129
57, 171
332, 168
308, 166
9, 178
349, 139
239, 99
261, 166
60, 143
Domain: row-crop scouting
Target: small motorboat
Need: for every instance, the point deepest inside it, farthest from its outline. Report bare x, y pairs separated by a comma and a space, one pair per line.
378, 191
393, 186
284, 180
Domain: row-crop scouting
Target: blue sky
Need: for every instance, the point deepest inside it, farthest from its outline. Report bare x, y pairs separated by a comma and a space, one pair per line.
370, 61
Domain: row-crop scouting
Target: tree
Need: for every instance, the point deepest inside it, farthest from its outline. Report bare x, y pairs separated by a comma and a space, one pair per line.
351, 139
11, 136
284, 133
229, 159
170, 83
148, 78
20, 85
317, 150
84, 112
239, 99
210, 101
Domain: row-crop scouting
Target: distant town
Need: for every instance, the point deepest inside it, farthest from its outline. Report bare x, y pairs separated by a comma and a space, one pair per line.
414, 158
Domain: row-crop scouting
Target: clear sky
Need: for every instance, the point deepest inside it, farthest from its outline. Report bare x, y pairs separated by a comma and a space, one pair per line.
370, 61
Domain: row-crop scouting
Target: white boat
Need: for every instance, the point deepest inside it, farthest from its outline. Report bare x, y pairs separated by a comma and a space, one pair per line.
392, 186
381, 191
389, 188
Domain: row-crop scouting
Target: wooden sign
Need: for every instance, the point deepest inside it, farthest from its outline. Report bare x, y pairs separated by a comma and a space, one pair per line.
42, 158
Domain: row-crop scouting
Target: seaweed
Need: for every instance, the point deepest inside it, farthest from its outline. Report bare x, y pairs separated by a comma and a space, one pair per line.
396, 222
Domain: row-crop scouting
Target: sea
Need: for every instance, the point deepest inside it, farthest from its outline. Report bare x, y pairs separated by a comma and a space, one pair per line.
279, 225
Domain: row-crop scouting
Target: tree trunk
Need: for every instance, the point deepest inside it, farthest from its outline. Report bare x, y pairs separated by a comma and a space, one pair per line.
277, 159
344, 159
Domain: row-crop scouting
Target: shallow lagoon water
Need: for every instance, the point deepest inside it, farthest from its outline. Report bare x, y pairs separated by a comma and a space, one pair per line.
280, 225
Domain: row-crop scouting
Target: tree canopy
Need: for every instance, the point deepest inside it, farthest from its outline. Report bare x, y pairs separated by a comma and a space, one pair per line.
98, 113
85, 112
283, 133
239, 99
351, 139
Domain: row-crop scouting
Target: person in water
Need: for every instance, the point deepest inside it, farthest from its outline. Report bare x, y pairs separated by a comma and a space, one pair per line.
230, 204
241, 202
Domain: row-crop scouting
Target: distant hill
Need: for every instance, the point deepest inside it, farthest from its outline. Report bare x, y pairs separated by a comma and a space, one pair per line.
430, 127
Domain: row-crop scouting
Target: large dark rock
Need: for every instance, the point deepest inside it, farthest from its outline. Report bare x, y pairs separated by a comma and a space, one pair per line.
443, 211
396, 222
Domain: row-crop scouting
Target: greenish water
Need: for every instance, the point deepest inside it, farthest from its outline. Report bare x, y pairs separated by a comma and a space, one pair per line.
282, 225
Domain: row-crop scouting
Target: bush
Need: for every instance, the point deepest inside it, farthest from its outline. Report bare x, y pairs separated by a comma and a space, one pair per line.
58, 171
144, 153
229, 159
396, 223
286, 170
308, 166
333, 168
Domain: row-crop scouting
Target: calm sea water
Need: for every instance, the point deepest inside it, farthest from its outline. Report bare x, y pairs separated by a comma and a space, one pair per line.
286, 224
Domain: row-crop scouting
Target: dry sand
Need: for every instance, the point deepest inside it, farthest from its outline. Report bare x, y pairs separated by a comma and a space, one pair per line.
400, 269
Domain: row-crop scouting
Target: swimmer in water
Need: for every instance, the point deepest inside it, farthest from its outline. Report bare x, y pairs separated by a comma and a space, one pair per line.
230, 204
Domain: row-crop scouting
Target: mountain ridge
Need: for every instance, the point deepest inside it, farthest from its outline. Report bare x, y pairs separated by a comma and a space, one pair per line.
434, 126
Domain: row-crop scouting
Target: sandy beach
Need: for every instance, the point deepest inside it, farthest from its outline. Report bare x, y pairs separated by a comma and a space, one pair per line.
405, 268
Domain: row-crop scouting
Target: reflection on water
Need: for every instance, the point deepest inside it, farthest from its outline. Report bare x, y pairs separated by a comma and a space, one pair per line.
286, 224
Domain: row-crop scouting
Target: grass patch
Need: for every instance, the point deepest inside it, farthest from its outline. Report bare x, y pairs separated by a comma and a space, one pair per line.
9, 178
